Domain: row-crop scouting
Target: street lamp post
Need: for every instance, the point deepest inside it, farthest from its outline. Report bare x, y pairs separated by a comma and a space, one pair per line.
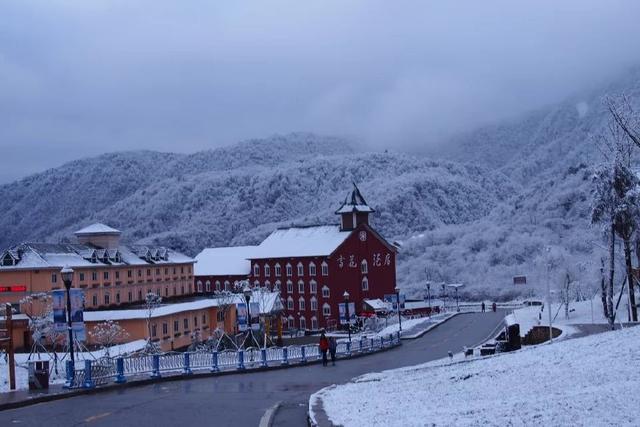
346, 313
398, 302
247, 297
429, 296
67, 277
444, 296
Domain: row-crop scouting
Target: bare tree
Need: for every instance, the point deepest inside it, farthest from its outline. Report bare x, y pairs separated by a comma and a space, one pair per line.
152, 302
108, 333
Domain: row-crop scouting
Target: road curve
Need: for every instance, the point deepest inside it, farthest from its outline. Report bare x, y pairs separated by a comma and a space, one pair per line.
242, 399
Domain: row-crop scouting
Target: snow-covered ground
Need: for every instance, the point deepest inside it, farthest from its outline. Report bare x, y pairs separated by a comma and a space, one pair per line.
410, 327
583, 312
22, 372
582, 381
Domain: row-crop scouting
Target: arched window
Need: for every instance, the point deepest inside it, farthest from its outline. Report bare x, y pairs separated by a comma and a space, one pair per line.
326, 310
303, 323
256, 270
226, 285
267, 285
300, 287
290, 321
314, 304
278, 285
301, 304
256, 283
289, 303
199, 285
365, 283
300, 269
312, 269
218, 285
278, 270
325, 269
364, 268
289, 270
289, 287
208, 286
325, 292
313, 287
314, 323
267, 270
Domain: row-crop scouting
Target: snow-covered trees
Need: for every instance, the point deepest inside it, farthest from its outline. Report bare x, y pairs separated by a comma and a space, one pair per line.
152, 302
108, 333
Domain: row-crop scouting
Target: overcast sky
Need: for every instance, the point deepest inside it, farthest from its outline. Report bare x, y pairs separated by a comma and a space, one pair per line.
79, 78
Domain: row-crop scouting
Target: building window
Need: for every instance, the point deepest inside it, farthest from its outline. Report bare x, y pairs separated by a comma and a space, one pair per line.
301, 304
312, 269
174, 270
313, 287
105, 275
129, 273
207, 286
117, 297
218, 285
154, 330
278, 270
94, 300
186, 323
267, 270
166, 292
227, 285
267, 285
148, 272
94, 275
140, 295
364, 268
54, 278
256, 270
166, 271
290, 303
82, 277
175, 291
165, 329
289, 287
199, 286
139, 273
290, 322
326, 310
303, 323
301, 287
365, 284
325, 292
107, 299
181, 289
157, 271
117, 275
314, 323
300, 269
325, 269
176, 326
195, 321
289, 270
278, 285
314, 304
220, 316
129, 296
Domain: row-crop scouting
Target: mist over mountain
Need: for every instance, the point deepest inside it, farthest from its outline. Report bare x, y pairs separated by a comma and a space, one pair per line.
486, 206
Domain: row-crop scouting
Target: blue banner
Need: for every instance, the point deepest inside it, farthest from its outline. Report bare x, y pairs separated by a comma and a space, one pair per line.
241, 316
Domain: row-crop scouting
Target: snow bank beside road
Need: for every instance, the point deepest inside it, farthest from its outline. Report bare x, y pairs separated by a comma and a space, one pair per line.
574, 382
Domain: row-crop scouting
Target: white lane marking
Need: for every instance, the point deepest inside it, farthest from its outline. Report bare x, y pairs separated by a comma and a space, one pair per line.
266, 419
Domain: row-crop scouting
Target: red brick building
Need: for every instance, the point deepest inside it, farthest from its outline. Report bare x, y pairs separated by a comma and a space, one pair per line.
218, 269
313, 266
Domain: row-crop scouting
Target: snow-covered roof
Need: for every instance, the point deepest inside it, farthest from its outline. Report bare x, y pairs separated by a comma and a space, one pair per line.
269, 302
320, 240
97, 228
230, 261
57, 255
354, 202
377, 304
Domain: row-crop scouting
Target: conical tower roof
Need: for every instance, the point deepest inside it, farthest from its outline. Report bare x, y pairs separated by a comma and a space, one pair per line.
354, 202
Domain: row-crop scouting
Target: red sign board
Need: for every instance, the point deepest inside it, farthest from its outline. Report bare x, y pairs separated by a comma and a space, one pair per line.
14, 288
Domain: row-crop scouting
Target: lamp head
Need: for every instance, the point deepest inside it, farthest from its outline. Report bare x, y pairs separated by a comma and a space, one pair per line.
67, 274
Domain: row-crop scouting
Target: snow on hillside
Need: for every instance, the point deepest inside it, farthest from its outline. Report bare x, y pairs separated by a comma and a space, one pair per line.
579, 382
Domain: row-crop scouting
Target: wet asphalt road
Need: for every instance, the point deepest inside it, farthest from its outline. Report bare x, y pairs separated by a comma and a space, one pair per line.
242, 399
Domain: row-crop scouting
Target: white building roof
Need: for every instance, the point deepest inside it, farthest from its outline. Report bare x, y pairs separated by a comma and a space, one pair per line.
321, 240
97, 228
231, 261
377, 304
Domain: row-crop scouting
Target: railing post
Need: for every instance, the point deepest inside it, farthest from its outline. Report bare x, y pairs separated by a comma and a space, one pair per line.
187, 364
155, 366
348, 348
88, 382
120, 379
371, 345
303, 358
361, 345
240, 359
285, 356
214, 362
263, 353
398, 335
71, 371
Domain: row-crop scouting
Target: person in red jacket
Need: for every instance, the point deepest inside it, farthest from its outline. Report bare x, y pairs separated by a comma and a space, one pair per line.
324, 346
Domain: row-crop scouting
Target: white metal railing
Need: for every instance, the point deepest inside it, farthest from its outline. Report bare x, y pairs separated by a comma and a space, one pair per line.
103, 371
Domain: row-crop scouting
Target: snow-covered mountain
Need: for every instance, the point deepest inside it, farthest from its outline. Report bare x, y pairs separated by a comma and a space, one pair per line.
482, 210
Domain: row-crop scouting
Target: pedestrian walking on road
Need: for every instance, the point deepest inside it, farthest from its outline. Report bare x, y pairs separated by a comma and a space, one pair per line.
333, 345
493, 307
324, 346
482, 306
